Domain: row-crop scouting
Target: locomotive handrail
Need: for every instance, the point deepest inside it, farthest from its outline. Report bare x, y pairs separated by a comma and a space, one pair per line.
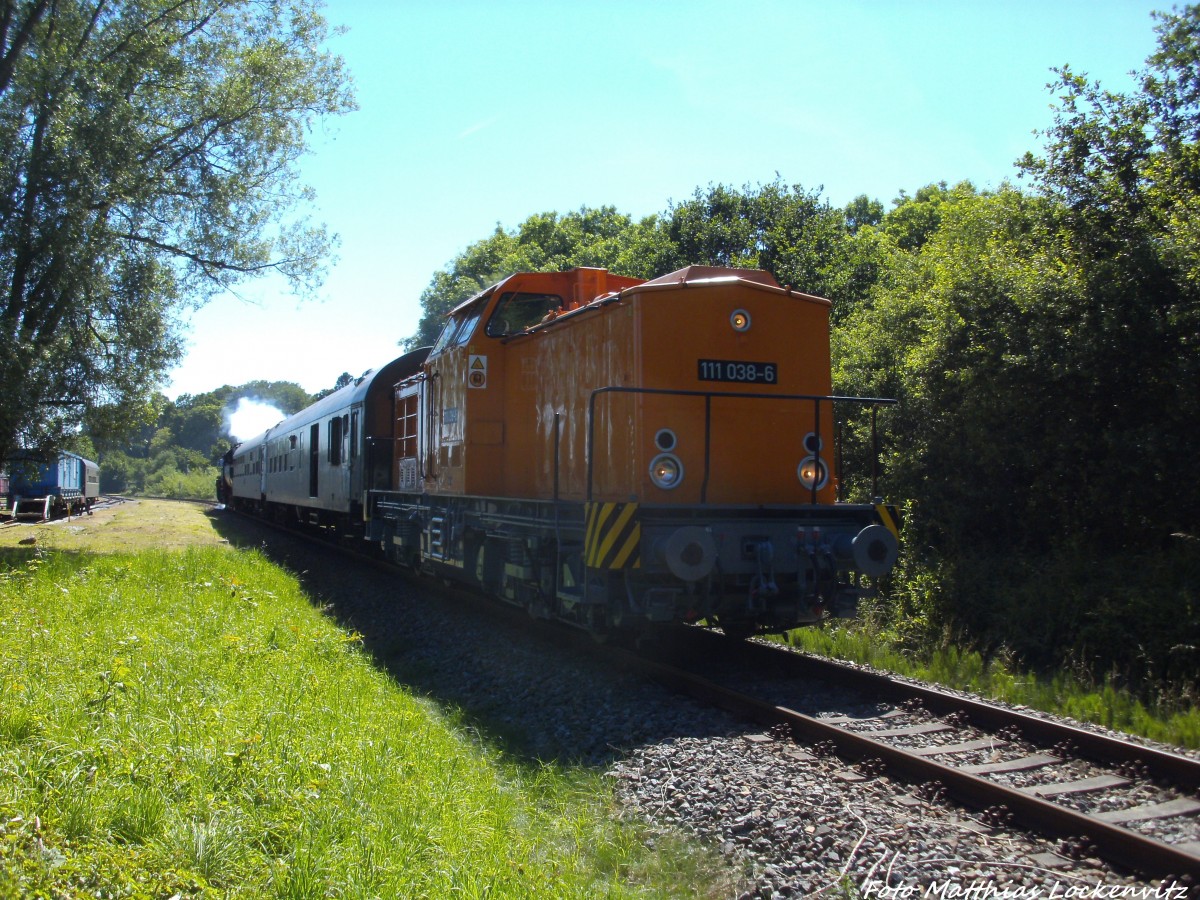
708, 396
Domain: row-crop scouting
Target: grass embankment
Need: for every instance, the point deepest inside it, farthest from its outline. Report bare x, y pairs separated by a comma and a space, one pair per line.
129, 525
186, 723
1107, 704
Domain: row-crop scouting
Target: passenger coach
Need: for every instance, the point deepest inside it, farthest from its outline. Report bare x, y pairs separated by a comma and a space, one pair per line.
317, 465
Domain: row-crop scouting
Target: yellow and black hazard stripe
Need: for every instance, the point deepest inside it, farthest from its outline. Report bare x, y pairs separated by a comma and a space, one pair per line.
889, 517
612, 536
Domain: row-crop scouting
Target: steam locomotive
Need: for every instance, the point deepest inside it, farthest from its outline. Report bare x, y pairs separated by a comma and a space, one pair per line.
611, 452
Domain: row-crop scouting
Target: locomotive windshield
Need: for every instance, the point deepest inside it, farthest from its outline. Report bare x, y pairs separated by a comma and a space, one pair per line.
518, 311
458, 329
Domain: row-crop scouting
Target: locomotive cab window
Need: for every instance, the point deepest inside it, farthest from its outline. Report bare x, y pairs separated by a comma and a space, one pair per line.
517, 312
458, 330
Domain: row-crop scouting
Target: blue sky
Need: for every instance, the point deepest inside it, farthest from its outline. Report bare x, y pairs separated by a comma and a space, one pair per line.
474, 114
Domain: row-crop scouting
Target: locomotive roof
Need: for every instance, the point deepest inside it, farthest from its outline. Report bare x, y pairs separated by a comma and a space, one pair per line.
486, 292
696, 275
491, 289
28, 456
712, 273
709, 275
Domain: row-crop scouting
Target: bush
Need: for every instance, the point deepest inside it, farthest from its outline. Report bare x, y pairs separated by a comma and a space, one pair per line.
199, 484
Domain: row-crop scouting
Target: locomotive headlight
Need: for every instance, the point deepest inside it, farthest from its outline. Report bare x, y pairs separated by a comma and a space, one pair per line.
740, 320
666, 471
812, 470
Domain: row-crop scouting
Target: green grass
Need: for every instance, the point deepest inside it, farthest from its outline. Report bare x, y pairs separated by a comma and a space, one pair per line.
188, 724
1170, 720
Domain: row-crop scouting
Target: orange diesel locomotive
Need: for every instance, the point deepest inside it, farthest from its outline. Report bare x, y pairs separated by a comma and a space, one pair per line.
617, 453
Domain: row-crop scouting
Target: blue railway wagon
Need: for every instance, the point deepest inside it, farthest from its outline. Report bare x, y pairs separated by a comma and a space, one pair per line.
67, 485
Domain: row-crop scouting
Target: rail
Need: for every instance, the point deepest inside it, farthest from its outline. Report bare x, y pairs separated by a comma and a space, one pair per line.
1111, 840
816, 399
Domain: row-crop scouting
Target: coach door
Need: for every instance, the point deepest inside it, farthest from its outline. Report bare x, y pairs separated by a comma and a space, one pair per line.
314, 459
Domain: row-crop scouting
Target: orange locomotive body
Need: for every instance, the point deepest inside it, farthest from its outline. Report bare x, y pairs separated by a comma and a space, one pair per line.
618, 453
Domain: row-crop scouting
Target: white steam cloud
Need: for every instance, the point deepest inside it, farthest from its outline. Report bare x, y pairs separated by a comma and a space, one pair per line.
250, 417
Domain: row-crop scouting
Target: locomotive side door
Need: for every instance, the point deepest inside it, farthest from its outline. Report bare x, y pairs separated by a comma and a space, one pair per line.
445, 399
407, 442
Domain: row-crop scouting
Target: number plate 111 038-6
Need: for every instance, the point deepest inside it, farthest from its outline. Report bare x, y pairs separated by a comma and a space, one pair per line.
736, 370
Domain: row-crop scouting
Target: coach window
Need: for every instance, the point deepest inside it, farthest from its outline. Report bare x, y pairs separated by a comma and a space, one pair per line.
518, 312
335, 441
354, 434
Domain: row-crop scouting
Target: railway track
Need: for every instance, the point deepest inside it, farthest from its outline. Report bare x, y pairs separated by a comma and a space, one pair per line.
1095, 795
102, 502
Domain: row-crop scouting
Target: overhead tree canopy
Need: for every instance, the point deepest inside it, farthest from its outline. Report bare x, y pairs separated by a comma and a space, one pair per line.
786, 230
149, 160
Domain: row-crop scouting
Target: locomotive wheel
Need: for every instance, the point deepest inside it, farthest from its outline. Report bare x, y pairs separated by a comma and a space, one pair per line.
536, 606
597, 625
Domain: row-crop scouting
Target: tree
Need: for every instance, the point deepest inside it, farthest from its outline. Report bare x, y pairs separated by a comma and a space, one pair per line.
913, 220
342, 380
1043, 346
1126, 169
862, 211
971, 333
787, 230
149, 161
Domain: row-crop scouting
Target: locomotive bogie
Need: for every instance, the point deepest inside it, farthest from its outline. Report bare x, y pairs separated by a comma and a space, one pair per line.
770, 566
608, 565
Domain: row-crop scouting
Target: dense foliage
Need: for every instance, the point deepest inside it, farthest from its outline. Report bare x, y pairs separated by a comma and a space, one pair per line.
149, 160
